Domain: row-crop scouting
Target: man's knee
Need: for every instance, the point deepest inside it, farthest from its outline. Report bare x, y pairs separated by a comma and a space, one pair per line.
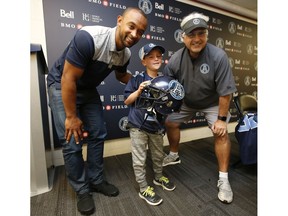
221, 139
171, 125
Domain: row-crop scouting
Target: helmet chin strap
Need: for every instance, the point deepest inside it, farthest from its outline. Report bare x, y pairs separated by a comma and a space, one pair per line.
151, 112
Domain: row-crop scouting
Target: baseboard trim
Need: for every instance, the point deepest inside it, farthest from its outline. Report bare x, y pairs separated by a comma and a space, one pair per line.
123, 145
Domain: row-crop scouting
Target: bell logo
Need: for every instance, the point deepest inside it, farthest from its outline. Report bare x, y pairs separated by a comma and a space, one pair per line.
159, 6
69, 15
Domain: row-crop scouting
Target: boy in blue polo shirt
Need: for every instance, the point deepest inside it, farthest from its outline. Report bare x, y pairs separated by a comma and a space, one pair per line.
146, 128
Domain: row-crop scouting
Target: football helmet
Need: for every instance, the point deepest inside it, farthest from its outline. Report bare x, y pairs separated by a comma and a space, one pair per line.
163, 93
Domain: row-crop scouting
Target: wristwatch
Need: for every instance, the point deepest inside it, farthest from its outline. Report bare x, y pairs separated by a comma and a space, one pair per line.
222, 118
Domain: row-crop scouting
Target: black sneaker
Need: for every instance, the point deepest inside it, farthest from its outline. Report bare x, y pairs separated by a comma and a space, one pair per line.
85, 204
105, 188
150, 197
165, 183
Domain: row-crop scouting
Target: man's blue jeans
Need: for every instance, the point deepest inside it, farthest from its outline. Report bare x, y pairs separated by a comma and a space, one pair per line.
90, 111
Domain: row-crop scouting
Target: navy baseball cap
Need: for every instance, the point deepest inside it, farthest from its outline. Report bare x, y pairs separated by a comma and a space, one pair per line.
146, 49
192, 24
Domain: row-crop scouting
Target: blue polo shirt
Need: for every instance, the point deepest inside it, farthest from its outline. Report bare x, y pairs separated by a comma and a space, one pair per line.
93, 49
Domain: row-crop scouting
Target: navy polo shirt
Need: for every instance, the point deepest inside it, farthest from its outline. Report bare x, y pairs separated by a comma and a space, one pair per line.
93, 49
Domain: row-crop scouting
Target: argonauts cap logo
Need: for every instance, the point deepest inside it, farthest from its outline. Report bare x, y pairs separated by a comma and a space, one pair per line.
196, 21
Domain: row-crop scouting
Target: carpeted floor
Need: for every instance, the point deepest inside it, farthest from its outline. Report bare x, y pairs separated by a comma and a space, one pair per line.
195, 194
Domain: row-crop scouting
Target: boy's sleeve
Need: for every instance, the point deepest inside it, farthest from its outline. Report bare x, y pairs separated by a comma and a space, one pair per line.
129, 88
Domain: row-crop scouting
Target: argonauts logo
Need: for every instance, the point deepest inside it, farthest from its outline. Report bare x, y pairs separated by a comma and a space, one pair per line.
204, 68
220, 43
232, 27
196, 21
176, 90
123, 123
249, 49
247, 80
145, 6
231, 62
178, 36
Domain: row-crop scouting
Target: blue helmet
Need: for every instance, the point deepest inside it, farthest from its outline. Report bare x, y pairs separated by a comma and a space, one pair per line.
164, 94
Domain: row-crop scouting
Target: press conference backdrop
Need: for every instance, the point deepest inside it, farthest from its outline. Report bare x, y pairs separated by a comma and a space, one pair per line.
237, 37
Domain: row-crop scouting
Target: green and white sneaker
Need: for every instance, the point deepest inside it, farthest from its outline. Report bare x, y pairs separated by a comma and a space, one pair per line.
225, 193
150, 196
165, 183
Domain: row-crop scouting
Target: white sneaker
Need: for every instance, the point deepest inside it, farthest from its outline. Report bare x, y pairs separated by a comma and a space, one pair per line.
225, 193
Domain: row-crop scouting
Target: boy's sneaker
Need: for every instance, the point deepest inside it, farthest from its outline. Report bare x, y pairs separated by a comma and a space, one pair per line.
150, 197
165, 183
225, 193
171, 160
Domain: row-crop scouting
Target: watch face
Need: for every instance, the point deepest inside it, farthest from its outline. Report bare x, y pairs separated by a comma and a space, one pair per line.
222, 118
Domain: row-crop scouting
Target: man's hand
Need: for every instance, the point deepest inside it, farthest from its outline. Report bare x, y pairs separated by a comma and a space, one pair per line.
219, 128
73, 126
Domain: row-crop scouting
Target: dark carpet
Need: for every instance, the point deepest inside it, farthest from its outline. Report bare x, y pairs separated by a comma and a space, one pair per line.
195, 194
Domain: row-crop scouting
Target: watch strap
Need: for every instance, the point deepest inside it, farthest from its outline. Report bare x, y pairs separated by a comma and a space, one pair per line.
222, 118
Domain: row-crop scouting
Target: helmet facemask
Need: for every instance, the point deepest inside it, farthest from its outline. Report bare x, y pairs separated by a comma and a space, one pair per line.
164, 94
